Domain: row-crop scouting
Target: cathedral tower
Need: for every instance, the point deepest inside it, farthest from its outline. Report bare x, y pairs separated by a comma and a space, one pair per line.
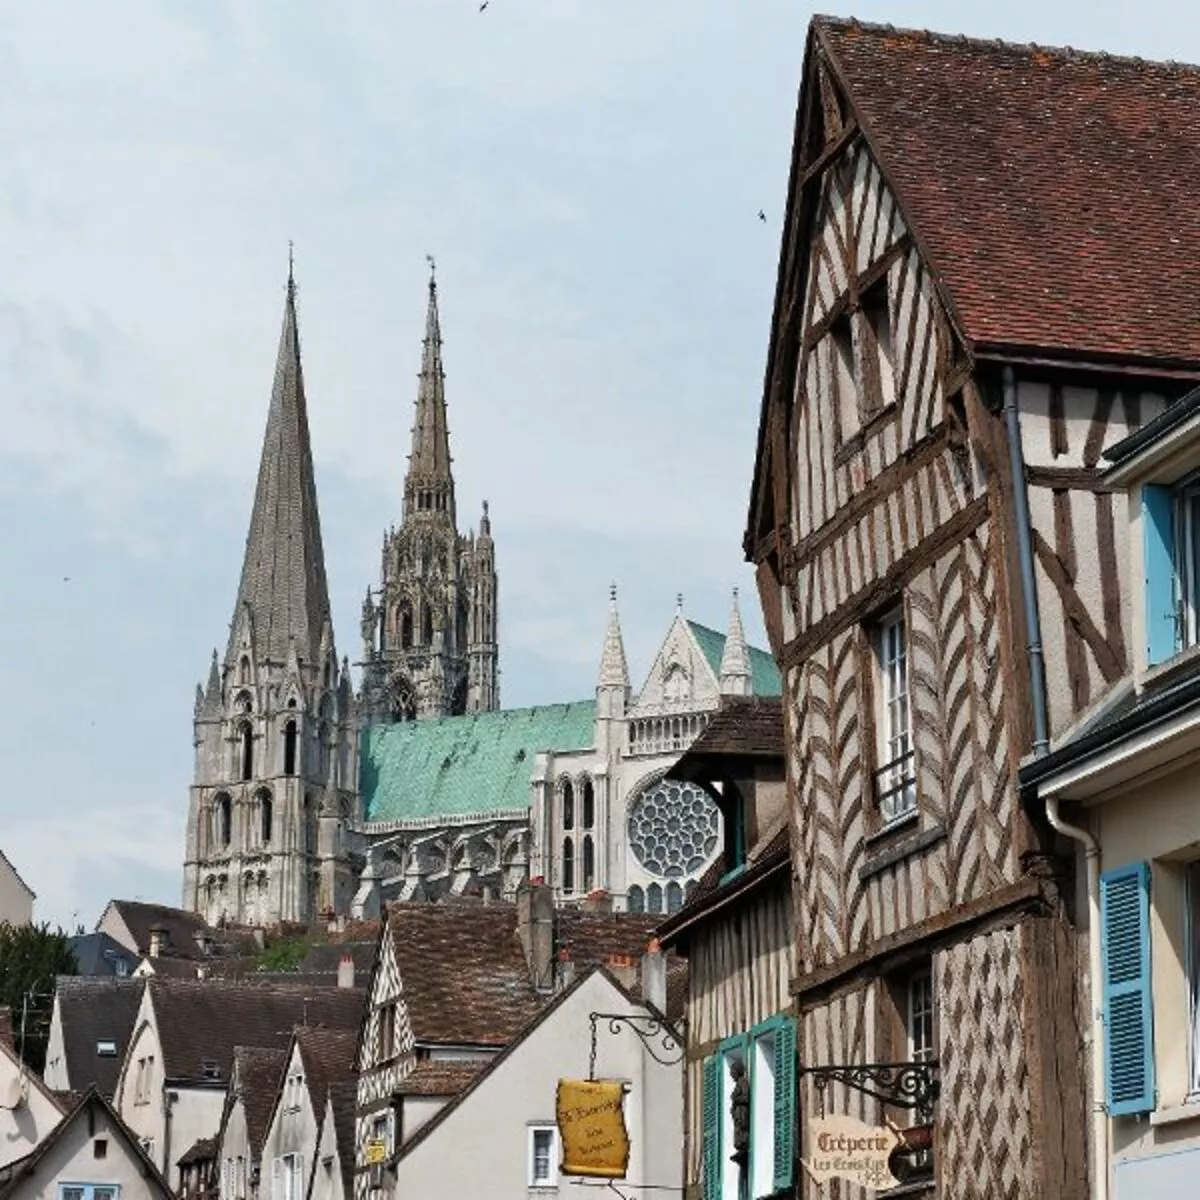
275, 791
429, 634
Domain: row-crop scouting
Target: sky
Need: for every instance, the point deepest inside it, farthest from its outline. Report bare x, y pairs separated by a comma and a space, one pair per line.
588, 174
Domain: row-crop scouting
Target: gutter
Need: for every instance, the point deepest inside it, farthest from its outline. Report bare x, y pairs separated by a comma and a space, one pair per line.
1041, 750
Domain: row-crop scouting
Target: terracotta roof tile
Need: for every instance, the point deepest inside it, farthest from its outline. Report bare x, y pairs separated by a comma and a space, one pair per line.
464, 972
743, 725
199, 1024
328, 1057
596, 938
1049, 188
258, 1074
435, 1078
201, 1150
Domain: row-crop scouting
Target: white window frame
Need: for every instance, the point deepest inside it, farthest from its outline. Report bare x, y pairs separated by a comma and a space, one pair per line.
762, 1115
895, 779
88, 1191
288, 1175
549, 1180
920, 1030
1187, 562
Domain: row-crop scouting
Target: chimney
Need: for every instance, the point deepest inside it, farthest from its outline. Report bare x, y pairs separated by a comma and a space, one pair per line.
566, 970
624, 969
158, 940
597, 900
346, 971
654, 976
535, 928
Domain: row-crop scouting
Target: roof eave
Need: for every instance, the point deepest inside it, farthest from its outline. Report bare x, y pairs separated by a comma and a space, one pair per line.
1149, 366
671, 931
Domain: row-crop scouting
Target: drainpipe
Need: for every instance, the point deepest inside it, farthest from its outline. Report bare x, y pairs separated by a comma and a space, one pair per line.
1033, 625
1041, 747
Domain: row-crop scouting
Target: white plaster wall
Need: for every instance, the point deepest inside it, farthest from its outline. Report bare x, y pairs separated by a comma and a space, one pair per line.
16, 902
145, 1118
22, 1128
291, 1131
416, 1111
494, 1118
235, 1144
195, 1115
327, 1176
73, 1160
55, 1073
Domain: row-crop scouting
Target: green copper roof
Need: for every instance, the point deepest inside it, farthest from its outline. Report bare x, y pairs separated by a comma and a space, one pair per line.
458, 766
764, 674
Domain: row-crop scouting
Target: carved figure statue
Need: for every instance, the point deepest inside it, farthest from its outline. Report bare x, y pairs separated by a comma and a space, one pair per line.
739, 1104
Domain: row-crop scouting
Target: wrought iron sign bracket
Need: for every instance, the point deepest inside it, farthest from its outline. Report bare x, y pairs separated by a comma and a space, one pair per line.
903, 1084
661, 1041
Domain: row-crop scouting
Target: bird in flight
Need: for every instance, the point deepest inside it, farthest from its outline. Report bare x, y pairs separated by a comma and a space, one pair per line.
484, 5
762, 216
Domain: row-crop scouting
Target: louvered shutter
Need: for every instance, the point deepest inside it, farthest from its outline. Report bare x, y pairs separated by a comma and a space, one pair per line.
785, 1103
711, 1104
1158, 551
1128, 1001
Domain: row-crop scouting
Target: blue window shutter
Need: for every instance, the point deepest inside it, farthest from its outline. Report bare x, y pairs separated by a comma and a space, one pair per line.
1128, 1002
1158, 545
785, 1103
711, 1166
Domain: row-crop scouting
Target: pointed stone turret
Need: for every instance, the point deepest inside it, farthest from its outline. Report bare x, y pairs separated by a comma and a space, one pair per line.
614, 670
283, 583
429, 486
210, 706
735, 659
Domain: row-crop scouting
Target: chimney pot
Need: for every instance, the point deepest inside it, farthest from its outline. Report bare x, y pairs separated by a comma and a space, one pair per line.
654, 976
158, 940
345, 978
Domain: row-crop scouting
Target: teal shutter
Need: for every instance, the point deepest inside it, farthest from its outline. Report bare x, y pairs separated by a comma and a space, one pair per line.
1128, 1003
785, 1103
1158, 546
711, 1104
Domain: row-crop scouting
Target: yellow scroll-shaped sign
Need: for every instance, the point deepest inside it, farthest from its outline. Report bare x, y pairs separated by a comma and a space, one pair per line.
591, 1127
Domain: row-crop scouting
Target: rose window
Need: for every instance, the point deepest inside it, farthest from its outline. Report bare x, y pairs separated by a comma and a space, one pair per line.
673, 828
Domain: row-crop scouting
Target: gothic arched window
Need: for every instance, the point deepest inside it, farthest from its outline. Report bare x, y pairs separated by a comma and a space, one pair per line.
426, 626
589, 863
568, 805
289, 748
636, 899
265, 817
674, 897
223, 820
244, 670
246, 750
568, 866
654, 898
406, 628
589, 803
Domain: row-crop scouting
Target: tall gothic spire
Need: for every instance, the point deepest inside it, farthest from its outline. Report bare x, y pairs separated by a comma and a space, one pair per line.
614, 671
735, 659
429, 485
283, 590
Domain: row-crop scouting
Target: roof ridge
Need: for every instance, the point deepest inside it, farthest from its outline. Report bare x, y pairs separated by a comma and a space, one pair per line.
821, 20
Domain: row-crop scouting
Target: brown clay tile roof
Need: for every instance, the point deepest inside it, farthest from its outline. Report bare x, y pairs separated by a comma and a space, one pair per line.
1051, 190
259, 1072
328, 1058
92, 1009
201, 1023
595, 939
433, 1078
749, 726
343, 1097
201, 1150
463, 972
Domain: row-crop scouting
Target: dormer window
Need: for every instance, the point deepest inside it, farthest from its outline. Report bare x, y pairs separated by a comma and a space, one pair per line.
106, 1048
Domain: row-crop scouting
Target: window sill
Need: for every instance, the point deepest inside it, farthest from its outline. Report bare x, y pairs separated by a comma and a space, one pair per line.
919, 1187
893, 852
1189, 1110
893, 827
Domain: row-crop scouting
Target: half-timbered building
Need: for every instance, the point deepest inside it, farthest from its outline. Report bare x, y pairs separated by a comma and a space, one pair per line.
738, 938
976, 296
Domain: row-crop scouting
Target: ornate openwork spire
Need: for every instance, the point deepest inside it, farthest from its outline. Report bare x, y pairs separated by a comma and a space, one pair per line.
614, 671
283, 582
429, 486
735, 659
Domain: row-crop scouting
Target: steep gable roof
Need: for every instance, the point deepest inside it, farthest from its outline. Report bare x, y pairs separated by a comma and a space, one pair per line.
99, 954
1046, 186
256, 1073
342, 1100
5, 861
94, 1009
765, 679
328, 1058
463, 972
199, 1024
13, 1174
469, 766
179, 925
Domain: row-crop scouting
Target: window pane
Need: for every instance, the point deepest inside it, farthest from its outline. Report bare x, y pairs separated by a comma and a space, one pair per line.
543, 1156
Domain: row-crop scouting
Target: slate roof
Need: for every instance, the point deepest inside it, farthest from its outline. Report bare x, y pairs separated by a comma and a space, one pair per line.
98, 954
201, 1023
94, 1008
343, 1098
459, 767
464, 973
201, 1150
433, 1078
1048, 188
764, 674
327, 957
259, 1072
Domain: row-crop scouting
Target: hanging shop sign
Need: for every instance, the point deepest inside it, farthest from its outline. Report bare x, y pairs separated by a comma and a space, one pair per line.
591, 1127
841, 1147
376, 1152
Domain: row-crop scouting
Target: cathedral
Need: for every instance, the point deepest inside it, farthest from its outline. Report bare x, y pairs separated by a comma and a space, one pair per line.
311, 799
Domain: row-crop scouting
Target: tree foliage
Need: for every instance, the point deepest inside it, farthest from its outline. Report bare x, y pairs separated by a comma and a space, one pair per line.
284, 953
30, 958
